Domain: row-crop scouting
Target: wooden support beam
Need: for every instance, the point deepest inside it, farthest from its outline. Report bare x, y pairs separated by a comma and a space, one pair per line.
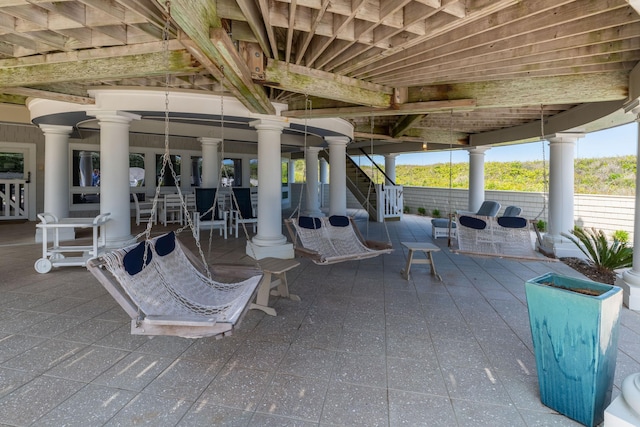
205, 38
43, 94
133, 66
405, 123
401, 110
566, 89
307, 81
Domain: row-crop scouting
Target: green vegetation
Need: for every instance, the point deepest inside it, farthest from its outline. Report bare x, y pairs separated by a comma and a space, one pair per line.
607, 175
605, 256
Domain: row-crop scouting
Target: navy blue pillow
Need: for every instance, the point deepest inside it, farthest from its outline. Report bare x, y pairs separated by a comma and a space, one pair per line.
339, 221
512, 222
133, 261
472, 222
164, 245
309, 222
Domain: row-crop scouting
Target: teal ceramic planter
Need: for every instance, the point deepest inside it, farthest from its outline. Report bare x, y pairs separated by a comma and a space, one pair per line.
575, 340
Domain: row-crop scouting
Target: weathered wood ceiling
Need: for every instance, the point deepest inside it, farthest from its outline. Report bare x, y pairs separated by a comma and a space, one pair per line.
403, 71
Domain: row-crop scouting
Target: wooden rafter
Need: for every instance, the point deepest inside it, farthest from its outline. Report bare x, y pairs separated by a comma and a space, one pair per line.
210, 44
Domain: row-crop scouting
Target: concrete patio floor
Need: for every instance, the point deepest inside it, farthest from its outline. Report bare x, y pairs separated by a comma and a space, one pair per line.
363, 347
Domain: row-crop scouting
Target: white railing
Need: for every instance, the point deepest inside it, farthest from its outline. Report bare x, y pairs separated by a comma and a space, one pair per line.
390, 201
14, 199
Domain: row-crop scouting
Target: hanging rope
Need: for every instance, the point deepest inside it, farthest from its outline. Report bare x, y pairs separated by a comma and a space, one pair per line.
307, 111
450, 213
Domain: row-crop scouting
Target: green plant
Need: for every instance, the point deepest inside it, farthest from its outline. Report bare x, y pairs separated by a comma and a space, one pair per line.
406, 209
605, 255
621, 236
435, 213
422, 211
541, 225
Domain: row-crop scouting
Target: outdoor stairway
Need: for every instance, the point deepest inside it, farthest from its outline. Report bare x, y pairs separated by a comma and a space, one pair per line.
360, 185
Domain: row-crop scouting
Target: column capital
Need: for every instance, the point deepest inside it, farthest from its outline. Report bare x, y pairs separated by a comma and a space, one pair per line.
314, 149
391, 155
478, 150
337, 140
114, 116
565, 137
56, 129
205, 140
269, 124
633, 107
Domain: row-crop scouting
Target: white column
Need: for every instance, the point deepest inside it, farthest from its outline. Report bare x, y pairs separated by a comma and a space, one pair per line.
561, 194
324, 176
630, 280
311, 170
292, 172
324, 179
269, 242
210, 161
114, 174
56, 175
390, 168
337, 174
476, 177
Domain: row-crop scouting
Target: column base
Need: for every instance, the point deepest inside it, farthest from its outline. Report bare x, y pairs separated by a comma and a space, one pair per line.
629, 281
283, 251
619, 413
560, 247
64, 234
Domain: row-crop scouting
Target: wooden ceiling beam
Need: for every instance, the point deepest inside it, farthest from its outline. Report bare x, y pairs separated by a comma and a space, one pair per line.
149, 64
406, 122
308, 81
43, 94
474, 15
254, 19
510, 44
399, 110
569, 89
211, 45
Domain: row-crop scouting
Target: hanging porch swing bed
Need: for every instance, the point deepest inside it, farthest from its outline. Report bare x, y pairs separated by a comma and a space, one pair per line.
158, 283
332, 240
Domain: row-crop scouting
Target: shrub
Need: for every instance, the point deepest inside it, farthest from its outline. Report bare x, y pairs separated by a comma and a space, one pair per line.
605, 255
621, 236
422, 211
435, 213
541, 225
406, 209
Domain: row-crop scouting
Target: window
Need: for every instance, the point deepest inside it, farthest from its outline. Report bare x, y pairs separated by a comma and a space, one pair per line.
11, 166
167, 179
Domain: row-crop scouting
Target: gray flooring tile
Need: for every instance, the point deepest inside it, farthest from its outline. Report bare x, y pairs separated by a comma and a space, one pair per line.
420, 410
44, 356
364, 369
11, 345
92, 405
134, 371
210, 415
34, 399
355, 405
267, 420
239, 388
416, 375
308, 362
150, 410
475, 384
474, 414
11, 380
295, 397
184, 379
87, 364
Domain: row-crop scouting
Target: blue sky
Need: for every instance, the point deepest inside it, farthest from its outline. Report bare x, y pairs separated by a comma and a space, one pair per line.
618, 141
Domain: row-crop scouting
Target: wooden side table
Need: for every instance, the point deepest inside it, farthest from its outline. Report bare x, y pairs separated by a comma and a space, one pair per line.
279, 268
427, 249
